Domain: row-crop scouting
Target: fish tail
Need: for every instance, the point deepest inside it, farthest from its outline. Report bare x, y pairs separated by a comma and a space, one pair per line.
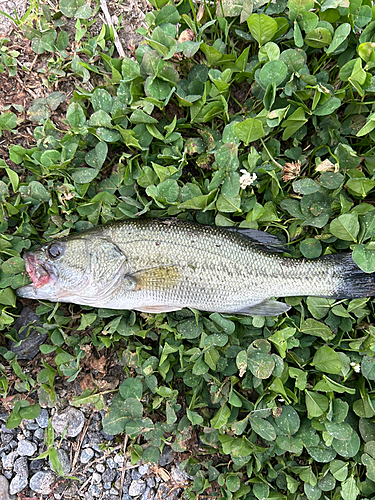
354, 282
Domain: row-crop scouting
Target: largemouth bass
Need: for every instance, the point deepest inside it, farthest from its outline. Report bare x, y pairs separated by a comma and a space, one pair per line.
154, 265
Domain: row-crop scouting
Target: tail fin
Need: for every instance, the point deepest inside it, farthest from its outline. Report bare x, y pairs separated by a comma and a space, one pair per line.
355, 282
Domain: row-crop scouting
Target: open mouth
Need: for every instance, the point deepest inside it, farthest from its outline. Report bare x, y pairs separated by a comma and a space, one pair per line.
39, 271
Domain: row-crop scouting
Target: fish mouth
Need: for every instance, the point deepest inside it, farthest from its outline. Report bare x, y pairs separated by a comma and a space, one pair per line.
39, 271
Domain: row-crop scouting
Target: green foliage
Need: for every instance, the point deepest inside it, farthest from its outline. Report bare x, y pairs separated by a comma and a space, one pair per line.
282, 406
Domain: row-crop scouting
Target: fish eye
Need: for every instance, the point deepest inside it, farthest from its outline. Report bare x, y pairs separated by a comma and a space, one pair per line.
54, 250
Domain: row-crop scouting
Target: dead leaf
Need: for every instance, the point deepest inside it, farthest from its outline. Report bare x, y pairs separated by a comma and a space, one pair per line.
186, 36
327, 166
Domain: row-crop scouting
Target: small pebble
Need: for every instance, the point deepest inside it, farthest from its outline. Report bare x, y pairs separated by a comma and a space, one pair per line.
111, 463
143, 469
135, 474
166, 456
137, 487
21, 467
39, 434
17, 484
100, 468
150, 482
36, 464
179, 476
8, 460
107, 486
109, 476
4, 489
147, 495
64, 461
119, 459
26, 448
96, 478
42, 418
42, 482
6, 438
32, 426
71, 420
107, 437
86, 455
94, 490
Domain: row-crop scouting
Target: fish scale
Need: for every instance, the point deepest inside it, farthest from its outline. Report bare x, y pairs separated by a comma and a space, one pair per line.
157, 265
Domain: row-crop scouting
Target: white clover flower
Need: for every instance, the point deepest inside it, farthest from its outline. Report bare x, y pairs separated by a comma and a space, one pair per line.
356, 366
247, 179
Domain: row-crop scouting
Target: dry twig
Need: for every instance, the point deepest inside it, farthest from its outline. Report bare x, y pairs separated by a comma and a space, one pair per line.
119, 47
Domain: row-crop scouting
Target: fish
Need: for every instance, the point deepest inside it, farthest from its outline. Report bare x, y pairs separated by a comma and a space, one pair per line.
164, 265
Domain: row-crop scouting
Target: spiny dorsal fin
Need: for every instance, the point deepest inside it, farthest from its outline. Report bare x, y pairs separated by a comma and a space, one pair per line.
266, 241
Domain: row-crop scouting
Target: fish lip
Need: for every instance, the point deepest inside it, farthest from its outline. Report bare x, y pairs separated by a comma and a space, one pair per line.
40, 271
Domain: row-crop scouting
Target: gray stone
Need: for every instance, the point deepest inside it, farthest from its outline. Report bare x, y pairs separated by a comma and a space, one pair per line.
111, 463
30, 339
26, 448
86, 455
17, 484
8, 460
96, 478
39, 434
64, 461
119, 460
137, 487
179, 476
150, 482
135, 474
109, 475
143, 469
36, 464
100, 468
32, 426
148, 494
6, 438
71, 420
42, 482
42, 418
21, 467
4, 495
126, 497
113, 491
107, 437
107, 486
94, 490
166, 456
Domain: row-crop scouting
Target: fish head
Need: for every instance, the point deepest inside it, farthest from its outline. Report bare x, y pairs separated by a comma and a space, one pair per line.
57, 270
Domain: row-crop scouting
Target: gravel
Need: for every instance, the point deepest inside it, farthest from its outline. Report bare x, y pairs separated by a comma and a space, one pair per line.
99, 471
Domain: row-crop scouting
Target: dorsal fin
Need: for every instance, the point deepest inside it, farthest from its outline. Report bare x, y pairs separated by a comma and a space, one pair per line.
265, 241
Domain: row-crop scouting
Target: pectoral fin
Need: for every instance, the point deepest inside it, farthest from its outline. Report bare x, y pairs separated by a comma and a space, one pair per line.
266, 308
155, 278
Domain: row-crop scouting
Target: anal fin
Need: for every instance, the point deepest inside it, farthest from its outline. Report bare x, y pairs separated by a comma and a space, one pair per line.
266, 308
158, 309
